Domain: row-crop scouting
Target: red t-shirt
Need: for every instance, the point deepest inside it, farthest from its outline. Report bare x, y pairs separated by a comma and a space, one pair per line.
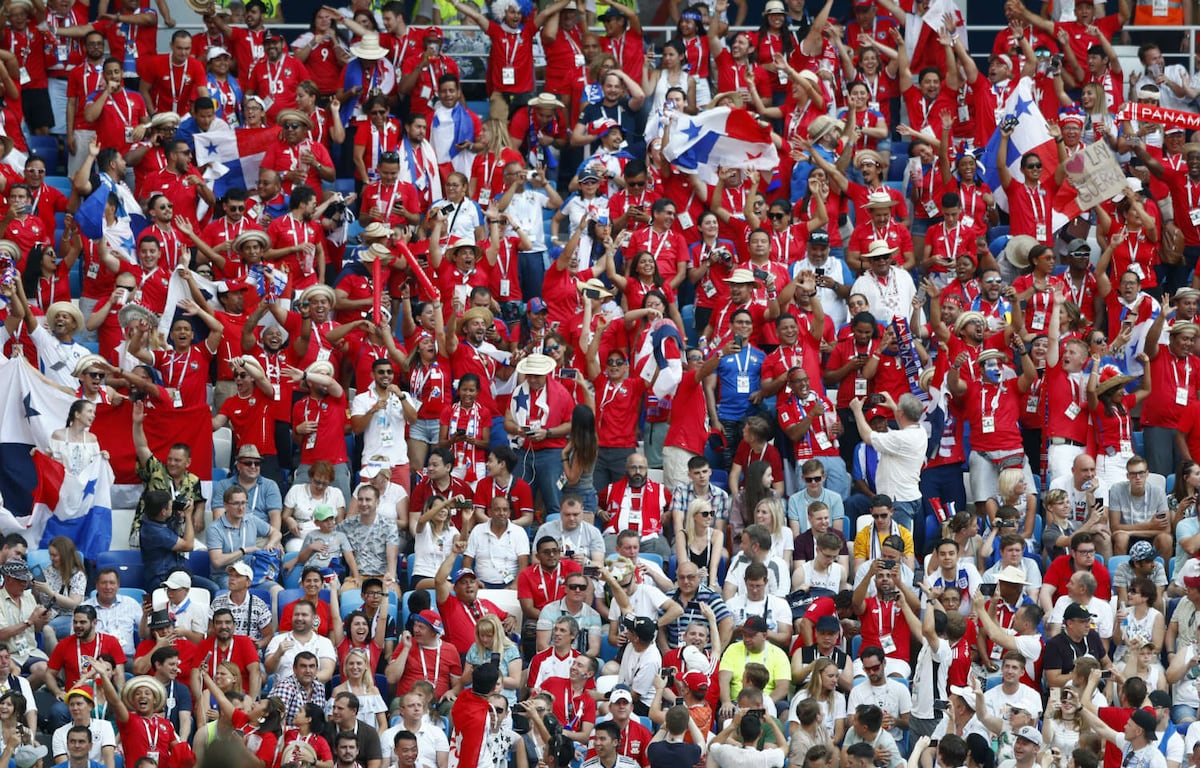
83, 81
518, 492
1060, 570
130, 43
460, 621
1080, 40
618, 406
241, 651
69, 653
141, 736
330, 438
186, 648
277, 81
122, 111
322, 625
436, 665
1031, 212
251, 420
510, 63
186, 371
283, 157
1173, 377
540, 586
1066, 398
173, 86
884, 618
686, 429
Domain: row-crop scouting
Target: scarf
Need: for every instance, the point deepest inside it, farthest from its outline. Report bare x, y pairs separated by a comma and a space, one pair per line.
464, 127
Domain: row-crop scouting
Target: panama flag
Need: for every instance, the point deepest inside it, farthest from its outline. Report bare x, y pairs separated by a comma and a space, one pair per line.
722, 137
659, 360
1030, 135
235, 156
40, 499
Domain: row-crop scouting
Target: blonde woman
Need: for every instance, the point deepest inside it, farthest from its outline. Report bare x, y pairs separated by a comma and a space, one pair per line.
702, 542
487, 170
769, 512
358, 679
434, 536
822, 688
490, 639
1012, 491
1062, 724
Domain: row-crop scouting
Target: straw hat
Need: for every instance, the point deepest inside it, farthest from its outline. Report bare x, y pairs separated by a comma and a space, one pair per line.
1016, 251
1186, 325
318, 290
69, 308
10, 250
1110, 377
863, 155
369, 48
293, 115
545, 100
133, 313
163, 119
482, 313
821, 127
374, 251
536, 365
991, 354
320, 367
969, 317
880, 199
251, 235
596, 285
879, 249
144, 681
1011, 574
741, 276
84, 363
377, 229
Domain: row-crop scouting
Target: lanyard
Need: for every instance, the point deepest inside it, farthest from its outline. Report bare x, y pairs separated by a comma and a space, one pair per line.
996, 400
80, 655
272, 79
241, 534
1036, 202
512, 44
1187, 372
171, 361
152, 742
882, 234
891, 615
606, 397
618, 48
175, 88
1077, 295
553, 582
125, 114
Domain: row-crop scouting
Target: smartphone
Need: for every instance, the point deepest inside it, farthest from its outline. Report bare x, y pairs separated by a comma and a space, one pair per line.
940, 705
987, 590
760, 274
1105, 674
591, 571
739, 339
568, 373
1099, 503
820, 271
38, 573
888, 564
875, 399
460, 432
863, 357
591, 293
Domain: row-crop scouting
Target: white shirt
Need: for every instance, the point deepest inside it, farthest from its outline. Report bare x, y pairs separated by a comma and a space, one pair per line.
386, 433
890, 298
735, 756
431, 740
57, 360
191, 615
462, 220
527, 207
102, 736
892, 697
901, 456
926, 685
779, 580
773, 609
496, 556
319, 645
638, 670
1000, 704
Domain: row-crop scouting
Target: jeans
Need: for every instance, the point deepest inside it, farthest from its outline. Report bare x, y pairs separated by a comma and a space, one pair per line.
654, 435
531, 268
907, 513
610, 466
542, 470
1160, 450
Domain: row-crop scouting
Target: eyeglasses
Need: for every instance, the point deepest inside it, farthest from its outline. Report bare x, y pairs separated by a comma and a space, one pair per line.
816, 479
577, 587
250, 462
292, 126
241, 375
1085, 552
1137, 473
321, 483
165, 206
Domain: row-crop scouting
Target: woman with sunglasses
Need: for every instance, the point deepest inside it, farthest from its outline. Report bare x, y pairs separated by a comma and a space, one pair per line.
380, 135
702, 543
46, 278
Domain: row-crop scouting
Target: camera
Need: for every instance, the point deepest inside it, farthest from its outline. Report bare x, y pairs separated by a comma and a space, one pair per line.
179, 503
591, 571
761, 274
462, 504
668, 674
1009, 122
568, 373
887, 564
819, 271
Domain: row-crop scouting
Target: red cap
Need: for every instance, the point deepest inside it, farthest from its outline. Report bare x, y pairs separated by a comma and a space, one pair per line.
697, 681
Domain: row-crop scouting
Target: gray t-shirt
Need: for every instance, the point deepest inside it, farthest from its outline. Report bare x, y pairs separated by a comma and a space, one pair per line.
338, 544
1136, 510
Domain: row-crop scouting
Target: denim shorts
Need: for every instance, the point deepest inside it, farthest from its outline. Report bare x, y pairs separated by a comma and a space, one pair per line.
425, 430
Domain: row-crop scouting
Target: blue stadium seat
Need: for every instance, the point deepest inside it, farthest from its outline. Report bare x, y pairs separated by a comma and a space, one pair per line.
133, 592
128, 564
46, 147
1170, 569
61, 183
36, 557
608, 651
349, 600
656, 559
720, 478
404, 607
1139, 443
855, 646
1115, 563
287, 597
199, 563
1170, 483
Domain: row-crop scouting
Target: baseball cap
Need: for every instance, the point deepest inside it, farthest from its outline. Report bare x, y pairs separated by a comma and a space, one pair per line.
645, 628
828, 624
1075, 611
818, 237
178, 580
1142, 551
965, 693
323, 512
1160, 699
460, 574
1191, 582
536, 305
241, 568
27, 755
621, 692
697, 681
754, 624
216, 52
1029, 733
432, 620
1144, 720
1079, 245
372, 469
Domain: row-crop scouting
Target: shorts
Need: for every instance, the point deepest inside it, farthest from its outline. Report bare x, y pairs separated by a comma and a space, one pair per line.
36, 104
424, 430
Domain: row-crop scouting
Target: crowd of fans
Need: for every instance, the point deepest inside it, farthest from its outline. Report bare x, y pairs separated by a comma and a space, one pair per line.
550, 448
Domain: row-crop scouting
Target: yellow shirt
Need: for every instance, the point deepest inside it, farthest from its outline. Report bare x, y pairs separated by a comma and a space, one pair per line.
772, 657
862, 543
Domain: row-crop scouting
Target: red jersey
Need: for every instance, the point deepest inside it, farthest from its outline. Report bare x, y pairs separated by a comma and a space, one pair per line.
629, 50
180, 189
436, 665
284, 157
641, 510
288, 231
251, 421
1031, 209
854, 384
323, 64
460, 619
687, 429
1177, 379
68, 656
618, 405
148, 736
186, 371
83, 81
68, 51
385, 197
1066, 399
541, 586
121, 112
993, 412
329, 441
277, 82
249, 48
35, 52
510, 62
173, 87
883, 617
131, 43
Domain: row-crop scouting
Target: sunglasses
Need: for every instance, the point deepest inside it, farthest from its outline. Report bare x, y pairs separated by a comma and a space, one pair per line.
881, 515
235, 208
813, 479
293, 126
616, 362
706, 513
577, 587
993, 281
871, 669
96, 374
1033, 166
775, 216
250, 462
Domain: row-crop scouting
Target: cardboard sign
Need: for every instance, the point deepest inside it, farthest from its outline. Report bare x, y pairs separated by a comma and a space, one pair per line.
1096, 175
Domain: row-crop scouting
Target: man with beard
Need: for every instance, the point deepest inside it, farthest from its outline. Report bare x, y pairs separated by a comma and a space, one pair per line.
180, 182
888, 287
268, 202
22, 227
72, 657
135, 710
636, 503
297, 242
389, 199
299, 159
474, 354
83, 80
741, 297
274, 78
223, 645
418, 162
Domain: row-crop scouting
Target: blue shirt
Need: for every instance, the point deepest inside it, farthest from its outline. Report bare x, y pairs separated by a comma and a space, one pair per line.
158, 555
732, 404
261, 498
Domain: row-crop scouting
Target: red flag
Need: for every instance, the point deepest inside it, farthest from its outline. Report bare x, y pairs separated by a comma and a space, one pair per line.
50, 476
164, 427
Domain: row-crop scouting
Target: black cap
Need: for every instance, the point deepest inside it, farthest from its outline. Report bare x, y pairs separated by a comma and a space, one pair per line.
1144, 720
1076, 611
1160, 699
818, 237
828, 624
644, 628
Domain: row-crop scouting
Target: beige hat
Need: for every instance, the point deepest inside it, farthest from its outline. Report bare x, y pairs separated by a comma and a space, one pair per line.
991, 354
596, 284
482, 313
1119, 380
144, 681
251, 235
10, 250
863, 155
969, 317
84, 363
1186, 325
545, 100
1016, 250
321, 367
165, 118
878, 250
315, 290
69, 308
1011, 574
369, 48
1186, 292
810, 76
251, 362
293, 115
536, 365
377, 229
821, 127
880, 199
741, 276
774, 6
373, 252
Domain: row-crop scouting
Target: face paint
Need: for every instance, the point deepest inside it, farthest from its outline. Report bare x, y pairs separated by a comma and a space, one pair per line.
991, 371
